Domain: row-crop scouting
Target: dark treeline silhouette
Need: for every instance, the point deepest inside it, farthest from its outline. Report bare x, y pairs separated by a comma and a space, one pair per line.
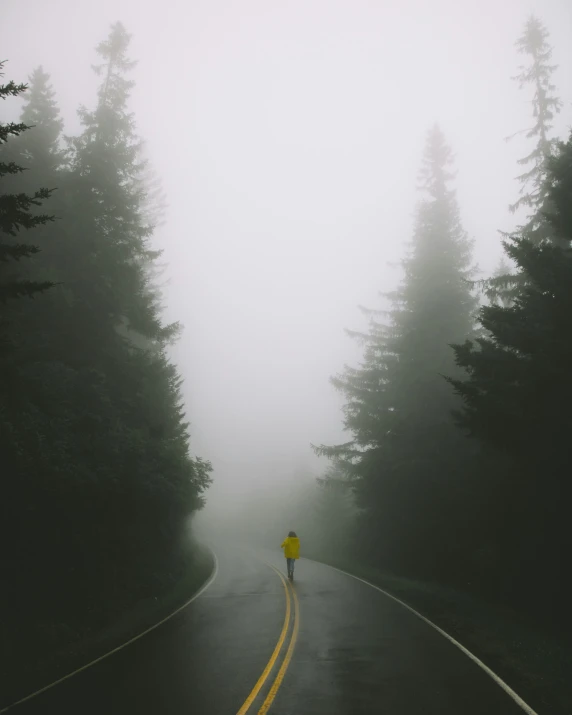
459, 455
98, 482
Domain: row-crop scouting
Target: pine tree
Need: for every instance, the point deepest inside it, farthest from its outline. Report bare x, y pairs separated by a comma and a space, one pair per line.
501, 287
107, 170
404, 442
518, 379
335, 514
17, 211
538, 74
534, 189
42, 148
33, 415
518, 391
115, 306
93, 437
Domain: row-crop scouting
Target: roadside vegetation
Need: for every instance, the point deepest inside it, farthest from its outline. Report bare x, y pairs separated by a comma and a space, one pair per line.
99, 482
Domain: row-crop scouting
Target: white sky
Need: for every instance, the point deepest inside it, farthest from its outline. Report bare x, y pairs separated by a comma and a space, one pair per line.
288, 136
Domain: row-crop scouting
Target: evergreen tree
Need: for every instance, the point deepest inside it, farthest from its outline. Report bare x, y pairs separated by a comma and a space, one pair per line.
538, 74
16, 213
404, 446
42, 147
518, 375
334, 517
119, 332
519, 387
534, 191
93, 438
501, 287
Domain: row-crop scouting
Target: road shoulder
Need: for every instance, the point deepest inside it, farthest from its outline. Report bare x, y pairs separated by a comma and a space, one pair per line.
72, 657
533, 663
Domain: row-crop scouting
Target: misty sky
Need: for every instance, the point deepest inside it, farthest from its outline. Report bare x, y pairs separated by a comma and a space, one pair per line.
288, 136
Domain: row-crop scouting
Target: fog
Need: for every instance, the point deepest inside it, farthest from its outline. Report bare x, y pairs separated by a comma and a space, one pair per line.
288, 138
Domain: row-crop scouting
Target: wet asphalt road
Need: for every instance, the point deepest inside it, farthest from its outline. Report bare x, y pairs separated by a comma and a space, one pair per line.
356, 652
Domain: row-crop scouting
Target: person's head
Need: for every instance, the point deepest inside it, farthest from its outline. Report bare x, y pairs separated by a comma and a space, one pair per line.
292, 533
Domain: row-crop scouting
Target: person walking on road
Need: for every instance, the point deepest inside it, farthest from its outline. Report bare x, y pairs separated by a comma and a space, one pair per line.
291, 546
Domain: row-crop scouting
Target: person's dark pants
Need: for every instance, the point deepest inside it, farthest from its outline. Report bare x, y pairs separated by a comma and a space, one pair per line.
290, 565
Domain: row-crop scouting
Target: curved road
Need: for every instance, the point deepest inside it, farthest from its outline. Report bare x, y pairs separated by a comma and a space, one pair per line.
347, 650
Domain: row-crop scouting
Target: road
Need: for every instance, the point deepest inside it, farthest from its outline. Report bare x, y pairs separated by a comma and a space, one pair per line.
347, 650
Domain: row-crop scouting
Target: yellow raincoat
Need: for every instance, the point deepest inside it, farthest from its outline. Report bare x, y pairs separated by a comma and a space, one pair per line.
291, 546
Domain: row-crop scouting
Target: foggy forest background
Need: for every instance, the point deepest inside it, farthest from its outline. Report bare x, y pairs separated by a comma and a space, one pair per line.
453, 466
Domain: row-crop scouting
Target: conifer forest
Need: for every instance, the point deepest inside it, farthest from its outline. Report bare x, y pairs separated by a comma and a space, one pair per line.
286, 268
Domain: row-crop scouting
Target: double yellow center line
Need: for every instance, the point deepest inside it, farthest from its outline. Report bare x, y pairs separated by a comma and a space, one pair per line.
290, 596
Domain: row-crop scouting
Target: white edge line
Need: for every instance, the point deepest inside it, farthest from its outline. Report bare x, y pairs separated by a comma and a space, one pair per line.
123, 645
498, 680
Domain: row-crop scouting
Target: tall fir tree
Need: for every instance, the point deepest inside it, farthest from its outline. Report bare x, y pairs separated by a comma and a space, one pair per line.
537, 74
92, 427
405, 447
518, 391
501, 286
120, 331
17, 212
39, 152
334, 518
42, 147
